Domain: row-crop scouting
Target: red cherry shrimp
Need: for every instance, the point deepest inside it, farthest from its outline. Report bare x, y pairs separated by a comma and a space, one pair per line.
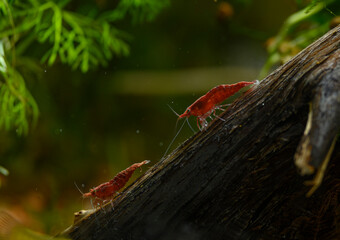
109, 189
207, 105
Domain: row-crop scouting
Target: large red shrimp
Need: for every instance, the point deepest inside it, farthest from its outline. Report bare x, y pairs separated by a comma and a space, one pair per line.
208, 103
108, 189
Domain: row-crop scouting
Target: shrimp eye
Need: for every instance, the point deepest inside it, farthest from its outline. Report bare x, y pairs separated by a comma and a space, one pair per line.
188, 110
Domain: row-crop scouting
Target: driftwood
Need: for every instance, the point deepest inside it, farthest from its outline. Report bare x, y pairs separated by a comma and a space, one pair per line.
241, 178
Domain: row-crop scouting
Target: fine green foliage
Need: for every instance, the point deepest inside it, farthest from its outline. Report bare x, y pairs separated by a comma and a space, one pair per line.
82, 41
16, 103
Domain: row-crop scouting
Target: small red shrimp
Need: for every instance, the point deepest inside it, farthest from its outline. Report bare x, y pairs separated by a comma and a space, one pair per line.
208, 103
108, 189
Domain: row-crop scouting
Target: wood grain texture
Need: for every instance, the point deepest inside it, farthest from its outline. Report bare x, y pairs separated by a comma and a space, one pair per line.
238, 179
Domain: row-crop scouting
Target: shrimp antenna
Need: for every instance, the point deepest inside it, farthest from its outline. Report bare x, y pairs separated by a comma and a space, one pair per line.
176, 114
172, 141
173, 110
190, 125
91, 203
78, 188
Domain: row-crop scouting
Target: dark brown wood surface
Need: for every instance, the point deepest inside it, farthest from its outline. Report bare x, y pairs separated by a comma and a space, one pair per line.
238, 179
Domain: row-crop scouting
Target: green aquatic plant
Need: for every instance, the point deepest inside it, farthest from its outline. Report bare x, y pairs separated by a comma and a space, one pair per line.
300, 29
82, 39
17, 106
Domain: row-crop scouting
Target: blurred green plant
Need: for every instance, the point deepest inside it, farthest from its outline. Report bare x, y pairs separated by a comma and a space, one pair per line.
4, 172
299, 30
81, 40
22, 233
